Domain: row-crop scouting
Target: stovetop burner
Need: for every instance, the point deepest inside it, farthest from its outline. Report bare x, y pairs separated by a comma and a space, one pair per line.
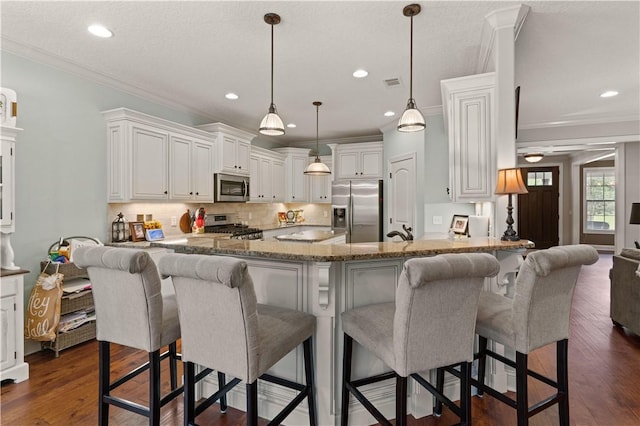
219, 224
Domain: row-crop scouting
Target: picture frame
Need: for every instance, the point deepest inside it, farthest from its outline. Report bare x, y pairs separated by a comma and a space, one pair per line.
136, 230
460, 224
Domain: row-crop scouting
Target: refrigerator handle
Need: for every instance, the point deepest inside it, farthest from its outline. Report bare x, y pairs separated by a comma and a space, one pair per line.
350, 225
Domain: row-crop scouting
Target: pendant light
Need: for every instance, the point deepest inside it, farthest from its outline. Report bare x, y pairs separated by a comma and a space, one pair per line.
411, 120
317, 168
271, 124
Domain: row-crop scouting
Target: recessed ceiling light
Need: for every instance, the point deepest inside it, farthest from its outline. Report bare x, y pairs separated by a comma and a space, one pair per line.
100, 31
232, 96
360, 73
609, 94
389, 114
291, 125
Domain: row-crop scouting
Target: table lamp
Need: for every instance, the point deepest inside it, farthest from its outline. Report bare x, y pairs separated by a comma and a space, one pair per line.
635, 217
510, 182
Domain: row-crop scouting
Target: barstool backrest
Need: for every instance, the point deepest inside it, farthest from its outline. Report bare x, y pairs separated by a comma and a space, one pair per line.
126, 293
544, 292
436, 308
217, 307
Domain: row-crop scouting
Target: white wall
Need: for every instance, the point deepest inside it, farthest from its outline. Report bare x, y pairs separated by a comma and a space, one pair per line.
627, 192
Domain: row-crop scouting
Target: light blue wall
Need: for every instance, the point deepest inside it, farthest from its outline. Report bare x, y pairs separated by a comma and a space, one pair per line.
61, 156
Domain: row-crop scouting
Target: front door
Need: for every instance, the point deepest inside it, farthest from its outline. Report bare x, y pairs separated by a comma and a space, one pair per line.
538, 210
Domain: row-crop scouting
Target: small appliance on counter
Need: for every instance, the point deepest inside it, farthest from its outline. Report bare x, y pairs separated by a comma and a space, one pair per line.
221, 224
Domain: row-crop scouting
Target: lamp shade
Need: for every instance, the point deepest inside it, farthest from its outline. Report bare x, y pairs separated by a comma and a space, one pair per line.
510, 182
412, 119
635, 214
271, 124
317, 168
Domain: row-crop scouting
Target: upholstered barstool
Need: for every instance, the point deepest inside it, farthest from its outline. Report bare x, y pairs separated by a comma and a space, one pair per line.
538, 315
223, 327
430, 325
131, 310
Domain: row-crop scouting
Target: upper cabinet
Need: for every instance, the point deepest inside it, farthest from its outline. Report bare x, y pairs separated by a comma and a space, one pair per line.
7, 184
233, 148
297, 183
358, 161
267, 176
151, 159
320, 186
468, 104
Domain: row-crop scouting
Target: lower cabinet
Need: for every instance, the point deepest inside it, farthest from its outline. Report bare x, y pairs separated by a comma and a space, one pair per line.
12, 365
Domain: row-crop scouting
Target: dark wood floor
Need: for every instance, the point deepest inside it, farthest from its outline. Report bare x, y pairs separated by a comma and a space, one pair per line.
604, 378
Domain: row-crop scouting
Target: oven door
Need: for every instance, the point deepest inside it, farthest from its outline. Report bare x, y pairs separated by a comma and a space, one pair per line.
229, 188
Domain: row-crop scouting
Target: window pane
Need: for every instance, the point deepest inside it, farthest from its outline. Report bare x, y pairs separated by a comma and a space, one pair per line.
600, 195
531, 178
547, 180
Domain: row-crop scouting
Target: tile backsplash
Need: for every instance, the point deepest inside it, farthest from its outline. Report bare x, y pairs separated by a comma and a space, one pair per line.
258, 215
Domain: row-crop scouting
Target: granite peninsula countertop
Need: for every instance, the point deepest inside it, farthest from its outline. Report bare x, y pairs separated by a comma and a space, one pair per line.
336, 252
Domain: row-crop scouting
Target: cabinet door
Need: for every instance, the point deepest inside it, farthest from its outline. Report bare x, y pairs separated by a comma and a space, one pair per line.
265, 180
8, 324
180, 168
348, 165
299, 181
254, 173
149, 163
6, 184
277, 181
228, 160
370, 164
320, 186
243, 153
202, 171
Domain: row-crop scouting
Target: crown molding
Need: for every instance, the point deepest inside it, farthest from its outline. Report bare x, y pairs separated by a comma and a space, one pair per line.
579, 122
509, 17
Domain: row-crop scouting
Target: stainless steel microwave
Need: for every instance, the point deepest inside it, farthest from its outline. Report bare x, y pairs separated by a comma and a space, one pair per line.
229, 188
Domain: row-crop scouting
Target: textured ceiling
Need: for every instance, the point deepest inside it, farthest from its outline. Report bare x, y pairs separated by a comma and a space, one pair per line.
189, 54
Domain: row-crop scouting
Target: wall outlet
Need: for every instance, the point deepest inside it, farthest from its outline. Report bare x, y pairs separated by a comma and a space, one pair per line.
174, 221
437, 220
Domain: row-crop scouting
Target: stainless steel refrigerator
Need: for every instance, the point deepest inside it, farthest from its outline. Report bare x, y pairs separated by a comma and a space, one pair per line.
357, 209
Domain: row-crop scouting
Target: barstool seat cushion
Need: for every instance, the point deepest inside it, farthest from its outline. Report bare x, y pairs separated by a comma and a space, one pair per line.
170, 321
281, 330
372, 327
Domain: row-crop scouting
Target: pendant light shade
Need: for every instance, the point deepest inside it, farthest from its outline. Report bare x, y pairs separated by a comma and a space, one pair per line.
271, 124
412, 119
533, 157
317, 168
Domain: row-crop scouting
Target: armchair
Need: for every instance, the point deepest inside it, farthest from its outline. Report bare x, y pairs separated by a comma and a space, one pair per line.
625, 289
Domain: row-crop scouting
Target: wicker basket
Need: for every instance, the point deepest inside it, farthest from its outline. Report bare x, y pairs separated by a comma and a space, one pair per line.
71, 338
69, 270
75, 302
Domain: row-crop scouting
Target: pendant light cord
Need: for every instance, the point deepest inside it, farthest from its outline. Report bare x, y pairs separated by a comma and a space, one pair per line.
317, 119
271, 64
411, 63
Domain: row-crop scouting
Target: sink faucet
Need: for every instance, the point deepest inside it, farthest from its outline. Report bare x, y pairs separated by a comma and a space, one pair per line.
405, 237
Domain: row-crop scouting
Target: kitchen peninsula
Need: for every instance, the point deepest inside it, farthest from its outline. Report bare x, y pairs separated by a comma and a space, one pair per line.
326, 280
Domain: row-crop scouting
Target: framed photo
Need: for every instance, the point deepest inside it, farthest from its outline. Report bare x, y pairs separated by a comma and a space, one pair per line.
137, 231
460, 224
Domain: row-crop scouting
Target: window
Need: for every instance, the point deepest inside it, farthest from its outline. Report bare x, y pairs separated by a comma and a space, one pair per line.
539, 179
599, 200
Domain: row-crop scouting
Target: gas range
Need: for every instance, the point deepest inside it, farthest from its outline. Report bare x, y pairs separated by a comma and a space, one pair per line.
219, 223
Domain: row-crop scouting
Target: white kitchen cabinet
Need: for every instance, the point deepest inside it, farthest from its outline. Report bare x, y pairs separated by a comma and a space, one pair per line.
320, 186
151, 159
190, 169
7, 184
469, 119
296, 182
267, 176
12, 365
233, 148
359, 161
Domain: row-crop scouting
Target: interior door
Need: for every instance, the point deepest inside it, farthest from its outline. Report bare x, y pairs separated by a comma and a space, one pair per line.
402, 190
538, 213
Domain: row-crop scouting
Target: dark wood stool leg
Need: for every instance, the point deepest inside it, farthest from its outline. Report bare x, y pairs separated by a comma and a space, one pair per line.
482, 362
562, 360
189, 394
154, 388
222, 380
401, 401
346, 377
465, 393
104, 377
522, 399
173, 365
437, 408
252, 403
311, 385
